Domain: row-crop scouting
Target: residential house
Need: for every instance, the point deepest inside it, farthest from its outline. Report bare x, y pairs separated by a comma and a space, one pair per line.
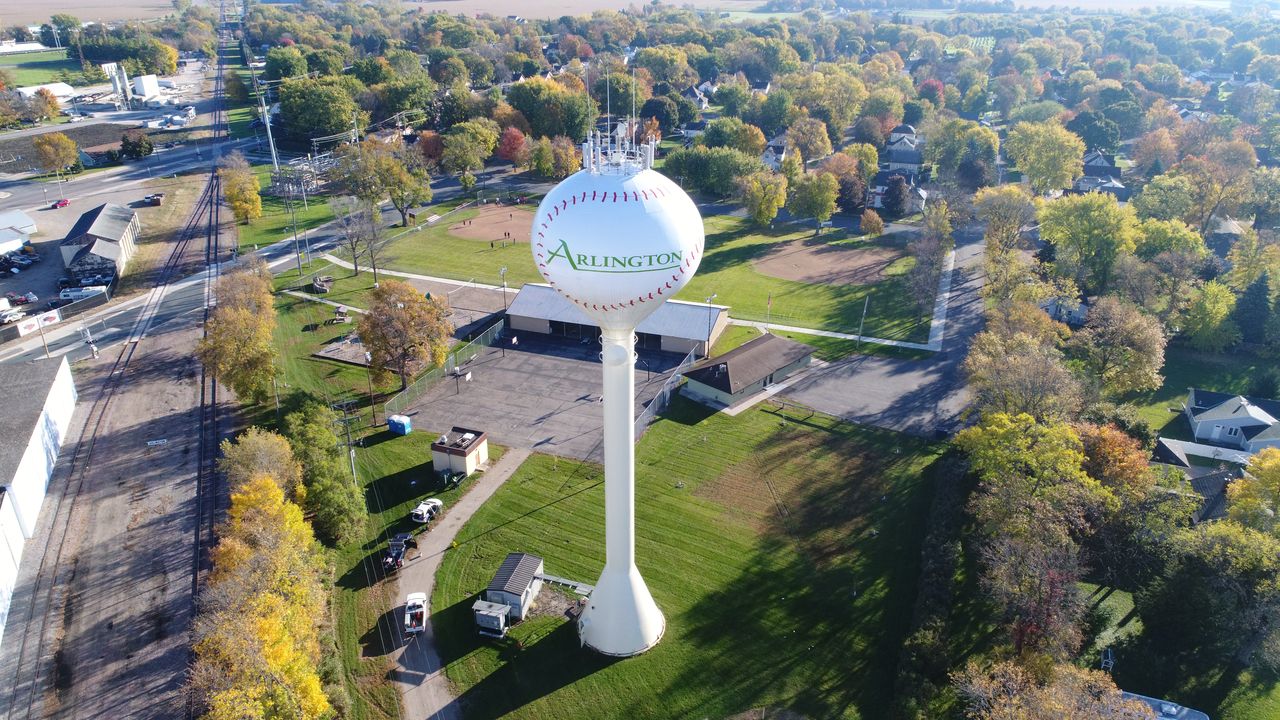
709, 88
761, 88
775, 152
101, 242
731, 378
699, 99
1100, 164
879, 185
1209, 484
1108, 185
903, 131
902, 154
1224, 233
1066, 310
693, 129
1235, 421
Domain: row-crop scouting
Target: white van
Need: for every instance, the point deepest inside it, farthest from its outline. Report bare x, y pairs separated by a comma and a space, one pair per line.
81, 293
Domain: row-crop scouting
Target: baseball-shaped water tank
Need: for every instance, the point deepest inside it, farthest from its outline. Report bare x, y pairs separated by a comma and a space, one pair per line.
617, 244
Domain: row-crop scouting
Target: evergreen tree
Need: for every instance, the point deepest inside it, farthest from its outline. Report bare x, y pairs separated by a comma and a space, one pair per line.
1254, 309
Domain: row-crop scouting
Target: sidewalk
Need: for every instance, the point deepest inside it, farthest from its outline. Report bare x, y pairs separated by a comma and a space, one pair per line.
420, 674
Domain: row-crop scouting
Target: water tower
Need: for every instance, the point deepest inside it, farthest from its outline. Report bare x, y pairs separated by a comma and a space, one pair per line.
618, 239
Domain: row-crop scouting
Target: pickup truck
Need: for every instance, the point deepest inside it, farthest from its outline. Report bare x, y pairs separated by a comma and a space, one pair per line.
415, 613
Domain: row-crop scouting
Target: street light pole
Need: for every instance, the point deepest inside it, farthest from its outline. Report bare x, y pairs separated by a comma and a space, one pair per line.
706, 345
373, 409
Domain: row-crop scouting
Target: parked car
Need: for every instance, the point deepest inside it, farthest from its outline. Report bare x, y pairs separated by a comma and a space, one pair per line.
21, 299
415, 613
61, 203
394, 557
156, 199
66, 282
80, 293
427, 510
10, 316
95, 280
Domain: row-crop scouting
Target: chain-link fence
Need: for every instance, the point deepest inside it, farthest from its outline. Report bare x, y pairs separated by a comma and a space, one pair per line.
461, 356
660, 401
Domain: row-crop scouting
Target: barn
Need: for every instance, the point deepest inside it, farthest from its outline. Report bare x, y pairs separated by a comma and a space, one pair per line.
676, 326
101, 242
39, 399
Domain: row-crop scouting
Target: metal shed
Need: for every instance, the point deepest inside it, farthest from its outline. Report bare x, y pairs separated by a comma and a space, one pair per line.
516, 584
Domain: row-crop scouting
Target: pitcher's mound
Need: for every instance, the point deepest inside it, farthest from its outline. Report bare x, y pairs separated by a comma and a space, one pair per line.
493, 222
804, 260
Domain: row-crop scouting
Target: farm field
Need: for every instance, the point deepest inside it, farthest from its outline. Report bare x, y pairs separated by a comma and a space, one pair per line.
783, 555
37, 68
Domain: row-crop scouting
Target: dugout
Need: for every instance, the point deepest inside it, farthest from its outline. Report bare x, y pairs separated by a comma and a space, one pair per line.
676, 326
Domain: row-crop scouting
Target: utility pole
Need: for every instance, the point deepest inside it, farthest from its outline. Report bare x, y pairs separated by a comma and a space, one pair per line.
266, 118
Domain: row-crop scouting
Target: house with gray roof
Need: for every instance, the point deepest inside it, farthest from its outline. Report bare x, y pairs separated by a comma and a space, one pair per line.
731, 378
516, 584
1235, 421
1103, 184
101, 242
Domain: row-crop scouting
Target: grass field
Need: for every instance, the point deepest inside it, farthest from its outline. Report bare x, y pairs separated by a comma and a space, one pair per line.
276, 222
783, 555
397, 473
726, 271
1186, 368
38, 68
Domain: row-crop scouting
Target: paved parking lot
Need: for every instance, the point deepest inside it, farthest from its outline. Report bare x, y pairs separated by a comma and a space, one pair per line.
543, 394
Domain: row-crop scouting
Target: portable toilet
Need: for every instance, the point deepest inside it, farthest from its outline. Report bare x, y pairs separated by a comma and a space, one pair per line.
400, 424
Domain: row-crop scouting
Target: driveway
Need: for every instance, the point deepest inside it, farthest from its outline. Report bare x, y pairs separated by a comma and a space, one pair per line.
920, 397
420, 675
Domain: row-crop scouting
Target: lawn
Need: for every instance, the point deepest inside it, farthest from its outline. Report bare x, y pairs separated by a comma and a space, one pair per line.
1186, 368
238, 120
397, 473
434, 251
39, 68
825, 348
276, 221
726, 271
783, 553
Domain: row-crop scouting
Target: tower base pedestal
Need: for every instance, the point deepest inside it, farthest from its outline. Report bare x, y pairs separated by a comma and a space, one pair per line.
621, 619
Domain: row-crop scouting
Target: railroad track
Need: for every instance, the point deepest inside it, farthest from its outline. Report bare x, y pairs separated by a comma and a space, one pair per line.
39, 657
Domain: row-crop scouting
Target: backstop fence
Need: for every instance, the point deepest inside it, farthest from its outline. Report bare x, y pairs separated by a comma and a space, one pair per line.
399, 402
662, 400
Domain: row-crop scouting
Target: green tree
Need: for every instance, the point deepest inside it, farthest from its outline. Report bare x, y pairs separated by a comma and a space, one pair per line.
311, 108
1005, 209
55, 152
237, 348
732, 132
814, 196
1090, 233
1097, 132
234, 88
552, 109
619, 94
1208, 324
373, 170
868, 159
1253, 310
809, 137
1161, 236
542, 158
733, 99
1050, 156
664, 110
135, 144
1166, 197
468, 144
1122, 348
764, 193
257, 451
404, 331
284, 62
331, 494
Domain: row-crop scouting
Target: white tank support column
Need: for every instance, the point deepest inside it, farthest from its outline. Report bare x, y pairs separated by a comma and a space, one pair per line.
621, 618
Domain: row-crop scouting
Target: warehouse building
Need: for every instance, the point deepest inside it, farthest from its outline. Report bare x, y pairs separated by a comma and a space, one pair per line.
39, 400
101, 242
676, 326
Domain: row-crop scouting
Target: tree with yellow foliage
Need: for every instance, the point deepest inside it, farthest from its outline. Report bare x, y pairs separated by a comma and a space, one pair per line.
1254, 500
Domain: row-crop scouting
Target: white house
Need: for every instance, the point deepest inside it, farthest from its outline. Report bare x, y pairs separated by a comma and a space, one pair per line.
879, 186
903, 131
775, 152
1235, 421
516, 584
